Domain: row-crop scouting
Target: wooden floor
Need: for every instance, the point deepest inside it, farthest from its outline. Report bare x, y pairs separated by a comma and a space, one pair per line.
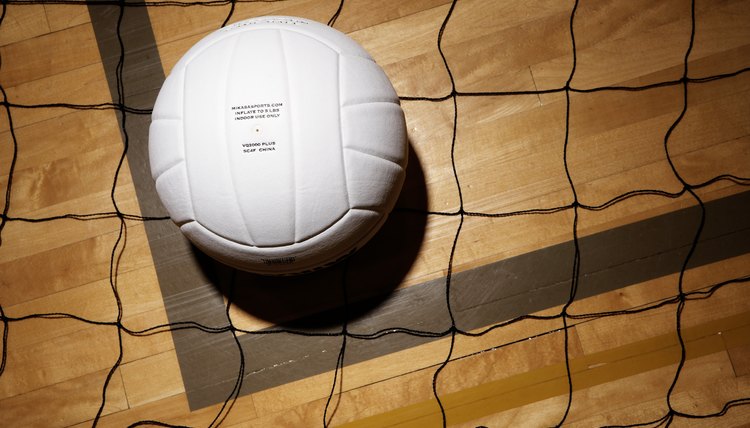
511, 152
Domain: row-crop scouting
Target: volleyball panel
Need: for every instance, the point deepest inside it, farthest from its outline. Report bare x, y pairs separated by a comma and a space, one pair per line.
331, 246
259, 141
376, 128
313, 76
371, 180
172, 187
170, 149
213, 189
355, 72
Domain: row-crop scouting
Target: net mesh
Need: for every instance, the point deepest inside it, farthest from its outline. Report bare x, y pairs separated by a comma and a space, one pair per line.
576, 206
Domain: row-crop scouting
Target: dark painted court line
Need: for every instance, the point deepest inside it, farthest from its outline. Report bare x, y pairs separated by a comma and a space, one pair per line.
483, 296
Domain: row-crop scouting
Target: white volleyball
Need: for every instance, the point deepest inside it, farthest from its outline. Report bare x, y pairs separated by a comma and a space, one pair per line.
277, 145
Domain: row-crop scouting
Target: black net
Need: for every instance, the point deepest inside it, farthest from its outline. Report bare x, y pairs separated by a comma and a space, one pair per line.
685, 84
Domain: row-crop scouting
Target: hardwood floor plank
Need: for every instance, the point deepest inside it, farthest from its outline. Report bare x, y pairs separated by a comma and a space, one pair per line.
59, 269
152, 378
136, 347
359, 14
589, 371
60, 232
70, 178
62, 358
62, 16
49, 141
509, 41
508, 154
65, 403
84, 85
55, 53
175, 410
22, 24
406, 50
520, 171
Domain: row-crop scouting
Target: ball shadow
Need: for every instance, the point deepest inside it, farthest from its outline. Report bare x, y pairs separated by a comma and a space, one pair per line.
316, 301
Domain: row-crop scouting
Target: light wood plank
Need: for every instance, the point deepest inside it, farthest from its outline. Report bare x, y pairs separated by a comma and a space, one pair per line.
63, 358
406, 49
509, 40
85, 85
48, 141
58, 233
60, 269
359, 14
65, 403
70, 178
62, 16
175, 410
23, 23
588, 371
706, 383
484, 240
431, 146
152, 378
56, 53
508, 157
521, 170
136, 347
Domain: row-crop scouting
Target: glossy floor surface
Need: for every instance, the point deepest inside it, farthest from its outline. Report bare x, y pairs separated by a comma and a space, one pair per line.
572, 244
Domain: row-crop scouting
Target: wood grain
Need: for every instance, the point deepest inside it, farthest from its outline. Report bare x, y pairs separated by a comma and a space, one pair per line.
508, 154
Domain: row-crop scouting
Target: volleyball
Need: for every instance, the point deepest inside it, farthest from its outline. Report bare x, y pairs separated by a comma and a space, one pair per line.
277, 145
